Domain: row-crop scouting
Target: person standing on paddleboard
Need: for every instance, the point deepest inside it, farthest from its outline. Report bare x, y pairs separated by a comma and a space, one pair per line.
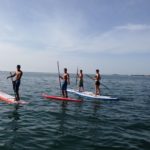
16, 83
81, 86
97, 82
66, 81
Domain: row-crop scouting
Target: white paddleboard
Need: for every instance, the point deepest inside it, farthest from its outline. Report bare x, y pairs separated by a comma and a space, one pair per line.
10, 99
91, 95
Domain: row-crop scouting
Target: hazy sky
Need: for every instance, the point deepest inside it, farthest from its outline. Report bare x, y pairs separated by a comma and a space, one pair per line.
112, 35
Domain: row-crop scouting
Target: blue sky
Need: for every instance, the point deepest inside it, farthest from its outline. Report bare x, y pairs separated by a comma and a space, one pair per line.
112, 35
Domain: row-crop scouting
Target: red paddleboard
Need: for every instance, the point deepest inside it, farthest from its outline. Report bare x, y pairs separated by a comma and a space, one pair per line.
10, 99
60, 98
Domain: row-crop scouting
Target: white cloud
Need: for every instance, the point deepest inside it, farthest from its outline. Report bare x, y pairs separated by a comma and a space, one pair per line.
134, 27
60, 38
128, 38
121, 39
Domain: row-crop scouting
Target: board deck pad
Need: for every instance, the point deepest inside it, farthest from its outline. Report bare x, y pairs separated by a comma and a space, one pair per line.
91, 95
10, 99
61, 98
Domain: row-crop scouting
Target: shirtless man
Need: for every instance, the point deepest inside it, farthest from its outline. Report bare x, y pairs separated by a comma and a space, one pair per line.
81, 86
97, 82
16, 83
66, 81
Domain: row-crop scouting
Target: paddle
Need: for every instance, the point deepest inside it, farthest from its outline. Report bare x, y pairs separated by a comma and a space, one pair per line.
101, 83
77, 76
59, 74
13, 85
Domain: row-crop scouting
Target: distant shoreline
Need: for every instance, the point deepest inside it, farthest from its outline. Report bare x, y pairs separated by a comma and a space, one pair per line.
141, 75
113, 74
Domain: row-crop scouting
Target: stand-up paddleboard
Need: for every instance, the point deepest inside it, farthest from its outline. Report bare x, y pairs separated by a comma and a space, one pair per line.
91, 95
10, 99
60, 98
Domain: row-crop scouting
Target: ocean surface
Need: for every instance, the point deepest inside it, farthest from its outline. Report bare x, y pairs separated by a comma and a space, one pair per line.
43, 124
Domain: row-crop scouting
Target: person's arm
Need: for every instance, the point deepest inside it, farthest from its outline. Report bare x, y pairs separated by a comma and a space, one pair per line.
95, 77
21, 74
99, 77
11, 76
61, 77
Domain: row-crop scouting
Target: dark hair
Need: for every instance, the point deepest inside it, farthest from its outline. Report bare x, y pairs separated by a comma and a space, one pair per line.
18, 66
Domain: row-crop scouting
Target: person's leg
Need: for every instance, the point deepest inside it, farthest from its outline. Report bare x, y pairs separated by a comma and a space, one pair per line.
17, 96
63, 93
97, 90
17, 90
66, 94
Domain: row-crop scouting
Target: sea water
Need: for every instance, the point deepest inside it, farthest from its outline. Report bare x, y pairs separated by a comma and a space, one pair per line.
91, 125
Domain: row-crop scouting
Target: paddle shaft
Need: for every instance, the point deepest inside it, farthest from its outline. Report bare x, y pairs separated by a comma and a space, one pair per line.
101, 83
59, 74
77, 76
